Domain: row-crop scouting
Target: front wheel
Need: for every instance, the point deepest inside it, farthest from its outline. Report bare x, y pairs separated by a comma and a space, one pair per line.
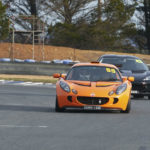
128, 109
57, 108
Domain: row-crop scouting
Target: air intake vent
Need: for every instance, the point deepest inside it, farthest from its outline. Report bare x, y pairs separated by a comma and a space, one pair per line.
92, 100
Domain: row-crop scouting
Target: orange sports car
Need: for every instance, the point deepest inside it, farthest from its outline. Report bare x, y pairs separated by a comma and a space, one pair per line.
93, 86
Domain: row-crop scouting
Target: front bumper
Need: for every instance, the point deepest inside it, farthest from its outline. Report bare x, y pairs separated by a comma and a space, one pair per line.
141, 88
91, 108
94, 103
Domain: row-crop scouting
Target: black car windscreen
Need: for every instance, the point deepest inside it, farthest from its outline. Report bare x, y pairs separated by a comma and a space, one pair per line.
126, 63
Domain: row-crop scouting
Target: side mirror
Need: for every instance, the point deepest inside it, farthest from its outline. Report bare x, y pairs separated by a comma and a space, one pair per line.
63, 76
131, 79
56, 75
124, 78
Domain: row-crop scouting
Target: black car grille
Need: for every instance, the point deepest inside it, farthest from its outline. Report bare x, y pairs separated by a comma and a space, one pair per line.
92, 100
141, 87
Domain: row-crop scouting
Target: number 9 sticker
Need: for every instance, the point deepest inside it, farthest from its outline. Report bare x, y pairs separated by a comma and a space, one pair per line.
113, 70
110, 70
138, 61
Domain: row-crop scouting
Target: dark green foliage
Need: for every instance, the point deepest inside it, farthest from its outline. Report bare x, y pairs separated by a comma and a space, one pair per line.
4, 23
142, 37
106, 33
66, 34
145, 21
105, 27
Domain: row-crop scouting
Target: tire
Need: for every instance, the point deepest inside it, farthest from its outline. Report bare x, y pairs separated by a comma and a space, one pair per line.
128, 109
149, 97
57, 108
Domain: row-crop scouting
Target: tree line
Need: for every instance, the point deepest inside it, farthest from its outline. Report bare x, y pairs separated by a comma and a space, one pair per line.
83, 24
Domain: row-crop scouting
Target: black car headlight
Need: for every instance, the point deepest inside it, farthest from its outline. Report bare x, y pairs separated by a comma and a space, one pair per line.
64, 86
147, 78
121, 89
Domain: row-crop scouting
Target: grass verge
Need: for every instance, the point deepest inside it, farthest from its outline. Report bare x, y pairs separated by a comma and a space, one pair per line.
28, 78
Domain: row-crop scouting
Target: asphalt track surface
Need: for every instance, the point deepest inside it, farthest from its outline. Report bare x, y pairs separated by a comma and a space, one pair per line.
28, 122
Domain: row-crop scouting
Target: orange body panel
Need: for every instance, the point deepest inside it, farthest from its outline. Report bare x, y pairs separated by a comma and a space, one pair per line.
93, 89
100, 91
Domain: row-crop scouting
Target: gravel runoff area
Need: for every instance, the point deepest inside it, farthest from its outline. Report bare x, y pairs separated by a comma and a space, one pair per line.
33, 78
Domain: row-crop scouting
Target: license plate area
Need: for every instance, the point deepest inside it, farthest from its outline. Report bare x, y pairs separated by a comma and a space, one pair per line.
92, 108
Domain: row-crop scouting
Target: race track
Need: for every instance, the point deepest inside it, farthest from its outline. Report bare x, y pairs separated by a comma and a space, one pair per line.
28, 122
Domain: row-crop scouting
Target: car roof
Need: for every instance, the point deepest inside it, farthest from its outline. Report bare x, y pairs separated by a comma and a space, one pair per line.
118, 56
95, 64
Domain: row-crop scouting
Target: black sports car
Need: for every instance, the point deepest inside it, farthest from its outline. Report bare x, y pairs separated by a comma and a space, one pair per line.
131, 66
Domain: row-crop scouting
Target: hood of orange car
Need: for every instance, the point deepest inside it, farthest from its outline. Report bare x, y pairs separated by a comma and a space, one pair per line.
96, 84
86, 88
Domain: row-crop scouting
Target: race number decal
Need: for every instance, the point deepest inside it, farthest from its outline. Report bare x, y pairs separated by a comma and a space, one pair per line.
138, 61
111, 70
108, 70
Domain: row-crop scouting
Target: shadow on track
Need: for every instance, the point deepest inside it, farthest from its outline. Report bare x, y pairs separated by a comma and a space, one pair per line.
24, 94
51, 109
48, 109
26, 108
92, 111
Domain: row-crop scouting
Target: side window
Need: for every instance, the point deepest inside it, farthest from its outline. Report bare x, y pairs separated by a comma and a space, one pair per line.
99, 59
117, 75
70, 75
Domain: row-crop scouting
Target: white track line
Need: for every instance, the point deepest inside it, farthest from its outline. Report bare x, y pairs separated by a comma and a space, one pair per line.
21, 126
41, 84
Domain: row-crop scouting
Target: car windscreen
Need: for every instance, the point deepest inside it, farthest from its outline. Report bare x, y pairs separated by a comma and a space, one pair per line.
132, 64
93, 74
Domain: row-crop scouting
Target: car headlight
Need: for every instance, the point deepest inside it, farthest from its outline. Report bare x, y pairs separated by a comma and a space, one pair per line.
64, 86
147, 78
74, 91
111, 93
121, 89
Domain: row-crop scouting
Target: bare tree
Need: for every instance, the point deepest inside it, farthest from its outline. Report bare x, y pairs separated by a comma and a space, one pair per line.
68, 11
22, 8
99, 9
25, 15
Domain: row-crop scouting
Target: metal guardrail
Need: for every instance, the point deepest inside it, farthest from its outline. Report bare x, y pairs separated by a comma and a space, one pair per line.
34, 68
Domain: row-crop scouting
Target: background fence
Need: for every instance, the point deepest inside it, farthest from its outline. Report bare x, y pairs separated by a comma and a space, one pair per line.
32, 68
